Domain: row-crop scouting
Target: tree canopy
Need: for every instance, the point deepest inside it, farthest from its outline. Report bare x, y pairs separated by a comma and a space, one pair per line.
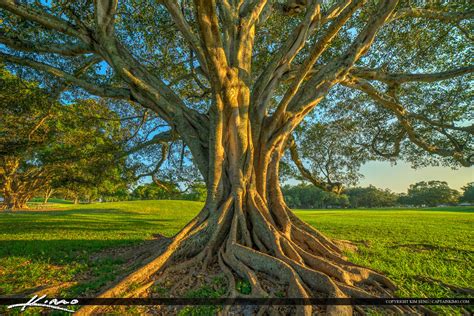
46, 145
468, 193
137, 57
431, 193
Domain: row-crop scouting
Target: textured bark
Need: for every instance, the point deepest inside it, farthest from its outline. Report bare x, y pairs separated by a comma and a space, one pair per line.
248, 235
18, 187
15, 194
247, 230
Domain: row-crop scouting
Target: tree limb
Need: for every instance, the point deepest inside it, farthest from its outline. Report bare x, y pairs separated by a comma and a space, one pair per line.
380, 75
44, 19
210, 35
105, 16
396, 147
104, 91
282, 59
431, 14
186, 30
89, 62
402, 115
319, 84
68, 49
316, 51
161, 138
326, 186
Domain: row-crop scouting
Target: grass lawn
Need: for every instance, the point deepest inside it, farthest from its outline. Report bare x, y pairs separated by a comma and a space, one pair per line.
426, 252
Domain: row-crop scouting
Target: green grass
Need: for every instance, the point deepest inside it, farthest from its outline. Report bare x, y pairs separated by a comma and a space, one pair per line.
41, 247
59, 244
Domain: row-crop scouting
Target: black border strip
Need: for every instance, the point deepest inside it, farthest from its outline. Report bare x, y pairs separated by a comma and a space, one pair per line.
250, 301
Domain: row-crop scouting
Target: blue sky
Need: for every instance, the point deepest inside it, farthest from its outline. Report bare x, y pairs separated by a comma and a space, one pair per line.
397, 178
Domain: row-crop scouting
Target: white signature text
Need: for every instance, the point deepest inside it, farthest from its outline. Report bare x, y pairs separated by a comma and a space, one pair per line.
54, 303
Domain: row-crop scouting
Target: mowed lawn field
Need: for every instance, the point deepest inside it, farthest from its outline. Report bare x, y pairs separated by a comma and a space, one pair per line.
426, 252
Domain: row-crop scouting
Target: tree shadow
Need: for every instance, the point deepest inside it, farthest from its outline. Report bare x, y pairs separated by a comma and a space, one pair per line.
94, 263
80, 220
66, 212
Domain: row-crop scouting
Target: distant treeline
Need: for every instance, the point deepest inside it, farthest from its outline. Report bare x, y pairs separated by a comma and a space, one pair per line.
431, 193
307, 196
160, 191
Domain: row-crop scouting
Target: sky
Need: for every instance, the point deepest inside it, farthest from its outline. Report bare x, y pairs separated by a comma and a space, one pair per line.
398, 177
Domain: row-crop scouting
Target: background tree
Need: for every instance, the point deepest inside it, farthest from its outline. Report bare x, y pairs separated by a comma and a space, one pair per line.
27, 125
196, 192
94, 164
153, 191
47, 146
431, 193
370, 197
307, 196
468, 193
225, 80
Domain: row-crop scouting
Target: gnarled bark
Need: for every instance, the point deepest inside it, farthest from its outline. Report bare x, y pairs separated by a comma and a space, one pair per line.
246, 229
15, 193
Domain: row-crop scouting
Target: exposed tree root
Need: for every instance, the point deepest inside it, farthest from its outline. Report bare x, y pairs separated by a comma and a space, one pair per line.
247, 242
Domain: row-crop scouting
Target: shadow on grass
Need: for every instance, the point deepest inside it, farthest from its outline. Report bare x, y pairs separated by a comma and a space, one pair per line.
59, 251
81, 211
62, 237
79, 220
88, 264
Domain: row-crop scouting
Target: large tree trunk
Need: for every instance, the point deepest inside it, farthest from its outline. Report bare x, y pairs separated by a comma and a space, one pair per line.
12, 201
246, 231
14, 195
245, 235
17, 187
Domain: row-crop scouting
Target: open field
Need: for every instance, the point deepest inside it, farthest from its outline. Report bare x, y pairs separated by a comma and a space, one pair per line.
426, 252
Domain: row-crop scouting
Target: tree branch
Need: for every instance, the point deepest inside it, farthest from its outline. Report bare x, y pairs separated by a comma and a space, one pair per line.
326, 186
319, 84
282, 59
89, 62
186, 30
61, 49
103, 91
316, 51
152, 173
431, 14
380, 75
396, 147
402, 115
44, 19
163, 137
105, 16
210, 36
251, 10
